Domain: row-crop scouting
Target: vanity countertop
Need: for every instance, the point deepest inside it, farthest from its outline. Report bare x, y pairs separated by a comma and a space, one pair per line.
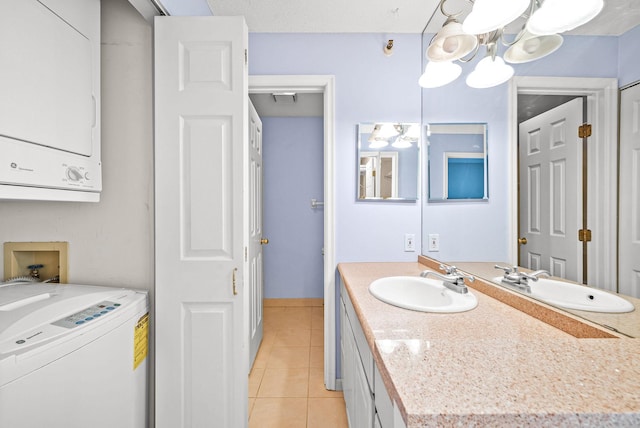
493, 365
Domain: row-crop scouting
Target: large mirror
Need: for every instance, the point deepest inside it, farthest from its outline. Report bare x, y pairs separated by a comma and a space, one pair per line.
457, 156
489, 232
388, 161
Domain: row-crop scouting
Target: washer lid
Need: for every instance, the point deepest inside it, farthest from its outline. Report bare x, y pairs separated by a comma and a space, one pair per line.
24, 307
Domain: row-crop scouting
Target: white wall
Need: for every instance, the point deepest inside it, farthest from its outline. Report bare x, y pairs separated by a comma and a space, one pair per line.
110, 242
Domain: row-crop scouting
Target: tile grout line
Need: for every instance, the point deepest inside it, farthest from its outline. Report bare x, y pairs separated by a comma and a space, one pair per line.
266, 360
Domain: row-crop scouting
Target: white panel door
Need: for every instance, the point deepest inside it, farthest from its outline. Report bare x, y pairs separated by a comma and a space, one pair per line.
550, 166
629, 239
201, 127
255, 260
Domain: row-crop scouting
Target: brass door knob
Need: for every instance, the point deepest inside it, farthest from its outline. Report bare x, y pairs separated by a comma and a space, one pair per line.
522, 241
264, 241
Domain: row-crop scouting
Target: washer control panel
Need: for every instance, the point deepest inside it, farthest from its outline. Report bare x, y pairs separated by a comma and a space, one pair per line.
87, 315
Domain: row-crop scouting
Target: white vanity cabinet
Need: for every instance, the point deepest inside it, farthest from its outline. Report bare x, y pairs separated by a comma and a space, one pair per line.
367, 401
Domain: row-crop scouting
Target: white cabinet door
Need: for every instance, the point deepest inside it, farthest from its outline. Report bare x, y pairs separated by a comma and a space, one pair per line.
362, 399
347, 351
629, 251
356, 389
201, 102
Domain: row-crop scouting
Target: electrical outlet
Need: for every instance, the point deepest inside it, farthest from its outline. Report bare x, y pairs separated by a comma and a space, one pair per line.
434, 242
409, 242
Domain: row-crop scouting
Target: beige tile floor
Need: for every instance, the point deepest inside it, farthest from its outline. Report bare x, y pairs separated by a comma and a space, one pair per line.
286, 383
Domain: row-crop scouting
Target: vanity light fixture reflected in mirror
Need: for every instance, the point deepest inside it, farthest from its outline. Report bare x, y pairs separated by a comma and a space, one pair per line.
485, 24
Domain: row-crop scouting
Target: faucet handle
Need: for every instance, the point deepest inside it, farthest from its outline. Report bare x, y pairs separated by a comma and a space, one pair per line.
507, 269
449, 270
534, 276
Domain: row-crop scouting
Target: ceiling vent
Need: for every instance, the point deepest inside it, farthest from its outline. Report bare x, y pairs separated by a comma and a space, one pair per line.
285, 97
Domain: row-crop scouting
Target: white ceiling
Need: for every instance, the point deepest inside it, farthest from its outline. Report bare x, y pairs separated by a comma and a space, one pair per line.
372, 16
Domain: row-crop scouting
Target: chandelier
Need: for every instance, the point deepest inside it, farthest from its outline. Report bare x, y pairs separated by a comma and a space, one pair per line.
485, 25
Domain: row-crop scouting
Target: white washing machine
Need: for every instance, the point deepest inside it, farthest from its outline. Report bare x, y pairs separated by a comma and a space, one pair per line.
73, 356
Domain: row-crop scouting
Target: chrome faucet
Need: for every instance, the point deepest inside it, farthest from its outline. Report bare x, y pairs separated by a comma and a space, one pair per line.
520, 280
453, 280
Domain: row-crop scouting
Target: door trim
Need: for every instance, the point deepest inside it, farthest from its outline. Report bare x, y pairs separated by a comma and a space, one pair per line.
602, 101
324, 84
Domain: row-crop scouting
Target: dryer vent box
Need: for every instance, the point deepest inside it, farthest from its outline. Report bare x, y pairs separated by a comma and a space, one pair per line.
18, 256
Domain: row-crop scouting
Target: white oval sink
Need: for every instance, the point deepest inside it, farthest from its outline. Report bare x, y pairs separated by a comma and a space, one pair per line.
421, 294
569, 295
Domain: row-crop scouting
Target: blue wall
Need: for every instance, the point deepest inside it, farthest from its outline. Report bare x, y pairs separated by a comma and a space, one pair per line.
370, 87
293, 175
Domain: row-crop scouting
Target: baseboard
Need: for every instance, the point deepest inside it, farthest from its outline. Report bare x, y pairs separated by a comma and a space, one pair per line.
293, 302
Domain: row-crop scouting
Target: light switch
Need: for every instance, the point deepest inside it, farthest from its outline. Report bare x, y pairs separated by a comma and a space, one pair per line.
434, 242
409, 242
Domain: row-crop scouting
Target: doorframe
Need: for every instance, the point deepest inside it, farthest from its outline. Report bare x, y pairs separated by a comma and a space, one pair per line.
602, 113
324, 84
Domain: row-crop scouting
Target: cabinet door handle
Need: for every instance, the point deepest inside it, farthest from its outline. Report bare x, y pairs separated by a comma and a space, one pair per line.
95, 111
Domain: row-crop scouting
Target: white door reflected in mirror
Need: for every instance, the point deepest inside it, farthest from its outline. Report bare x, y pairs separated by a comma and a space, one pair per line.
378, 175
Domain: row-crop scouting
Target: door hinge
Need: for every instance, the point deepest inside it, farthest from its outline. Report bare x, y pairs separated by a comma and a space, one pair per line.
246, 57
584, 235
584, 130
245, 254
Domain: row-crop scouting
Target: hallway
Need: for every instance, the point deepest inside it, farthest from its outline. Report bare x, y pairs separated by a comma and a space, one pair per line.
286, 385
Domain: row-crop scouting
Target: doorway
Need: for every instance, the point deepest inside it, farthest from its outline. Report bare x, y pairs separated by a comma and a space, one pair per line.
324, 85
602, 104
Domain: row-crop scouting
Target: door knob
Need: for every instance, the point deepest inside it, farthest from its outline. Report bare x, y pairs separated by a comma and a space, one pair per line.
264, 241
522, 241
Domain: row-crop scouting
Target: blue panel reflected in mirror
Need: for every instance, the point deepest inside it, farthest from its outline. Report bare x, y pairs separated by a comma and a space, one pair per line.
457, 160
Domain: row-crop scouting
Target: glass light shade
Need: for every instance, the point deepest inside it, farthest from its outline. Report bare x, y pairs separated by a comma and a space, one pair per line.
401, 143
489, 15
489, 72
413, 133
438, 74
387, 130
451, 43
378, 143
557, 16
531, 47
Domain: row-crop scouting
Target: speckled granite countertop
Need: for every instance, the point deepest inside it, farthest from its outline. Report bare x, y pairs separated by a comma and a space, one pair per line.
492, 366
